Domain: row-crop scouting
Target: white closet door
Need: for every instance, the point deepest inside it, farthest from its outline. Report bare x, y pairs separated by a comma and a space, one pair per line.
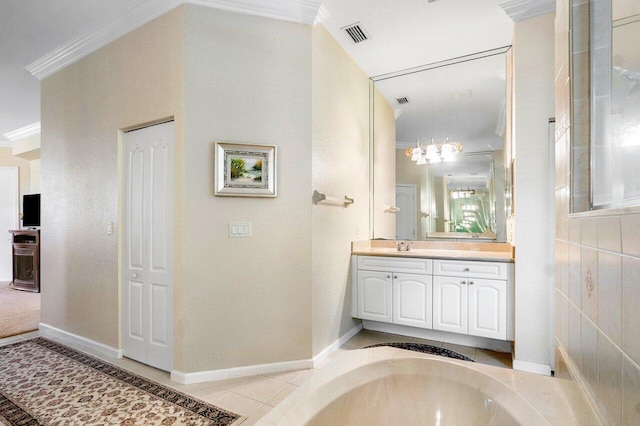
9, 217
148, 245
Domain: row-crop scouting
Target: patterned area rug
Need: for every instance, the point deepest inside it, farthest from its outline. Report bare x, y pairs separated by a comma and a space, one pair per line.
427, 349
46, 383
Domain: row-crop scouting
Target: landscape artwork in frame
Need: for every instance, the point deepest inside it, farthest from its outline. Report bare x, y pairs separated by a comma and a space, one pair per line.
243, 170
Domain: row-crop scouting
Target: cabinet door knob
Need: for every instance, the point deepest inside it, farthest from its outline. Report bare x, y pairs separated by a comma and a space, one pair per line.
134, 275
388, 276
466, 269
395, 277
470, 282
463, 282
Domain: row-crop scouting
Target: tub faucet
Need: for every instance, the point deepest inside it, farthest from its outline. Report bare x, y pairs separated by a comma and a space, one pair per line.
403, 247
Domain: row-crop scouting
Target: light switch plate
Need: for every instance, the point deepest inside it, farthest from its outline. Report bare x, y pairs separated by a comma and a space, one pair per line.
239, 229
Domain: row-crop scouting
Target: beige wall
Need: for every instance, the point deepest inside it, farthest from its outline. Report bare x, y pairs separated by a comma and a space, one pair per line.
34, 176
134, 80
28, 148
597, 253
384, 164
340, 167
533, 49
7, 159
247, 300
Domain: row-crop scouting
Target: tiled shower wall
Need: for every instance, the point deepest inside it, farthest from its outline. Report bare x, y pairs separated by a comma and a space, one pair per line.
597, 253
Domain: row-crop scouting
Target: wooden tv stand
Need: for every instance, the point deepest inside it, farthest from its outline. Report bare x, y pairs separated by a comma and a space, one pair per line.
26, 260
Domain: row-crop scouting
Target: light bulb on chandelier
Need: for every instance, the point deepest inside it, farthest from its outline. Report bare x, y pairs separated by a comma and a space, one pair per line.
434, 152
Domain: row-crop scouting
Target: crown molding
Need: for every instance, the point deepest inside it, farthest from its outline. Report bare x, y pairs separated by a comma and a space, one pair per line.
520, 10
103, 34
23, 132
301, 11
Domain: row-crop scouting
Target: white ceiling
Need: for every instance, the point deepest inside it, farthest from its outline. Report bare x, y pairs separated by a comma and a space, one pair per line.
28, 30
408, 33
403, 34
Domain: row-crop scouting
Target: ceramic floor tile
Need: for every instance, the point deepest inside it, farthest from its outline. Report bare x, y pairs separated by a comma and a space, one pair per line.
9, 340
280, 396
261, 388
304, 377
31, 335
364, 338
427, 342
287, 377
498, 359
260, 413
463, 350
238, 404
394, 338
349, 347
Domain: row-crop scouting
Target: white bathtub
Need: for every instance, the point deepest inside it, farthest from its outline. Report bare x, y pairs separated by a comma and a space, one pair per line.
388, 386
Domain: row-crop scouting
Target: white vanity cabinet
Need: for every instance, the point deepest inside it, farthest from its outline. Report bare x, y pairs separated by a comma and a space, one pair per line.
474, 298
394, 290
471, 297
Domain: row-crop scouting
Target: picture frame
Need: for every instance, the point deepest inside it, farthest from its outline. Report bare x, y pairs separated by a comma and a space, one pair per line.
244, 170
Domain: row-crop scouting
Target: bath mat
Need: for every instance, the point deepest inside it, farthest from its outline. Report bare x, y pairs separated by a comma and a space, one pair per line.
427, 349
43, 383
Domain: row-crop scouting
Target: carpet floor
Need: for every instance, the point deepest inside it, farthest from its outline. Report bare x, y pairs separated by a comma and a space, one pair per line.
19, 311
46, 383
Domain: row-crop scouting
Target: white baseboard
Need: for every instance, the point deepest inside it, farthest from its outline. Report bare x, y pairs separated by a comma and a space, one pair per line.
49, 330
250, 370
532, 367
336, 344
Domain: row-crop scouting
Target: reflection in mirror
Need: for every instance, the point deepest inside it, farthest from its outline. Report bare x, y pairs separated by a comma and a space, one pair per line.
615, 149
460, 103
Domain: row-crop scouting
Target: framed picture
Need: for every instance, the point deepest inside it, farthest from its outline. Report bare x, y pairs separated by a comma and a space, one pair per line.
243, 170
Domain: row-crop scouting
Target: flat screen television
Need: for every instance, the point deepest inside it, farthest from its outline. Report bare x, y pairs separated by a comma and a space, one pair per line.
31, 210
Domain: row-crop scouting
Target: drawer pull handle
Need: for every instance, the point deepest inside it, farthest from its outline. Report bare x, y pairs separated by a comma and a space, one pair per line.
466, 269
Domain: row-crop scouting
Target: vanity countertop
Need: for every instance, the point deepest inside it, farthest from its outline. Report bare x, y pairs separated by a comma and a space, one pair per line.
490, 252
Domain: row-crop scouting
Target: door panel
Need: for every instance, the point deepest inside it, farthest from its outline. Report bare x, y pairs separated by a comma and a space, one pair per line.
374, 296
148, 233
9, 217
487, 308
450, 304
406, 222
412, 300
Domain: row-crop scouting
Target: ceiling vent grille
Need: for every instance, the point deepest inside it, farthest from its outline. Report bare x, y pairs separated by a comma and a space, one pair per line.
355, 32
402, 101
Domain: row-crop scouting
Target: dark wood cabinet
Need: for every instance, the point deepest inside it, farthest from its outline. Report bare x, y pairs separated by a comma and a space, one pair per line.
26, 260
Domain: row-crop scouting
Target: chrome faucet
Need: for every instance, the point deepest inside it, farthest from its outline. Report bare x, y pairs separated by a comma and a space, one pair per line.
403, 247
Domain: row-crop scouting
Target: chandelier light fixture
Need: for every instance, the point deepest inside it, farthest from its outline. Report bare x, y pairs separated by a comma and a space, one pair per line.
434, 152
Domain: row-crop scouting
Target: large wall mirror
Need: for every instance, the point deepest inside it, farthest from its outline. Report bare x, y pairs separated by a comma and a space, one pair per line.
450, 122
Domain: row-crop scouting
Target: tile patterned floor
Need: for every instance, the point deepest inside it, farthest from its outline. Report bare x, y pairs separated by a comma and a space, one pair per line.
253, 397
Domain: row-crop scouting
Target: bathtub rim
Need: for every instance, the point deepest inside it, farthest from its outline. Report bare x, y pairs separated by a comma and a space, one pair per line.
336, 379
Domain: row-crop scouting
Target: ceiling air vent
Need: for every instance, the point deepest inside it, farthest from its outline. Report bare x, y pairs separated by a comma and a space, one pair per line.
402, 101
356, 32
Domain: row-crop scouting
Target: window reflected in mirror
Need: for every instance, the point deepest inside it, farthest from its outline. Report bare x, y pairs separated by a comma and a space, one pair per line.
615, 104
